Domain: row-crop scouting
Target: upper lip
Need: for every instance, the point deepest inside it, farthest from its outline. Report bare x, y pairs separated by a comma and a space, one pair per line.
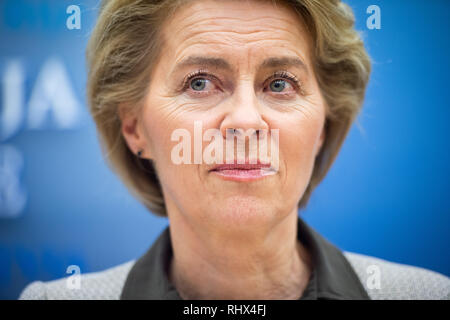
241, 166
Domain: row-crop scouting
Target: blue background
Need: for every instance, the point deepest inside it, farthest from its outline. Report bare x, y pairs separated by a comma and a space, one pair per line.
387, 194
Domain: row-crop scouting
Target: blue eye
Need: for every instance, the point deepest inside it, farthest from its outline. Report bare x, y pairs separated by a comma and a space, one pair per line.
277, 85
198, 84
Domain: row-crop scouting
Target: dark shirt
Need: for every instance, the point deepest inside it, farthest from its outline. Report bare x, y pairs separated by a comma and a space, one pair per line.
332, 276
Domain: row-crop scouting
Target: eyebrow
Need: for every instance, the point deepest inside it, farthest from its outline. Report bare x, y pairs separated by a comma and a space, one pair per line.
283, 62
221, 63
204, 61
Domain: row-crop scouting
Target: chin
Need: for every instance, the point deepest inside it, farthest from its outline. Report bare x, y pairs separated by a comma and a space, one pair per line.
241, 212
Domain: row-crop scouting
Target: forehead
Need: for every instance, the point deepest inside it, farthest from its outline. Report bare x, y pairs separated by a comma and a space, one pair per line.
236, 29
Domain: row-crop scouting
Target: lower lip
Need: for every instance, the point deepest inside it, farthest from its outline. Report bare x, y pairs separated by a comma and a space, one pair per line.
243, 175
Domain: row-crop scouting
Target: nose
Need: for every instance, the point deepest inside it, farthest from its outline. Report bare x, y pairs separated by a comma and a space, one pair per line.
244, 114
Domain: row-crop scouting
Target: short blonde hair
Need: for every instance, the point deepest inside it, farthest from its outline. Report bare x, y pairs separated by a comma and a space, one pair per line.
125, 45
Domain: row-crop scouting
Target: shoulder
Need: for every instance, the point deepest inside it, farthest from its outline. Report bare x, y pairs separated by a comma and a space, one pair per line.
103, 285
388, 280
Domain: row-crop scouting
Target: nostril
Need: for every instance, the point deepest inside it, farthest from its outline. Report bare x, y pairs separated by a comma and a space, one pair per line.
258, 133
231, 131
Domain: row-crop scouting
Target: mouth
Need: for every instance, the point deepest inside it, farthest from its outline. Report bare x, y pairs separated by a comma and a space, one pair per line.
243, 172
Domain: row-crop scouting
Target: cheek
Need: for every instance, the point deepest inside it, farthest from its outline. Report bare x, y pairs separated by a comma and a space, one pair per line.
302, 138
160, 119
299, 140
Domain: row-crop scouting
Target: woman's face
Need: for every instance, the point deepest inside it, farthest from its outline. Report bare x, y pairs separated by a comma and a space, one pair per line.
250, 68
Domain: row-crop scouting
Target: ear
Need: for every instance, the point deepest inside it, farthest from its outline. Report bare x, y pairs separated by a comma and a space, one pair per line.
132, 131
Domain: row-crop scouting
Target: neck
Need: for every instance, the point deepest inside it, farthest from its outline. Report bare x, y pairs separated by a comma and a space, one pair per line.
270, 264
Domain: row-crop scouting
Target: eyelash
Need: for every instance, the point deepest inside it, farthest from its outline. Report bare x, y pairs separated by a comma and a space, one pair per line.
279, 74
286, 76
194, 75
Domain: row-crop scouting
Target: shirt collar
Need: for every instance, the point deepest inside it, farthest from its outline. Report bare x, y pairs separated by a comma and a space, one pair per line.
332, 276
